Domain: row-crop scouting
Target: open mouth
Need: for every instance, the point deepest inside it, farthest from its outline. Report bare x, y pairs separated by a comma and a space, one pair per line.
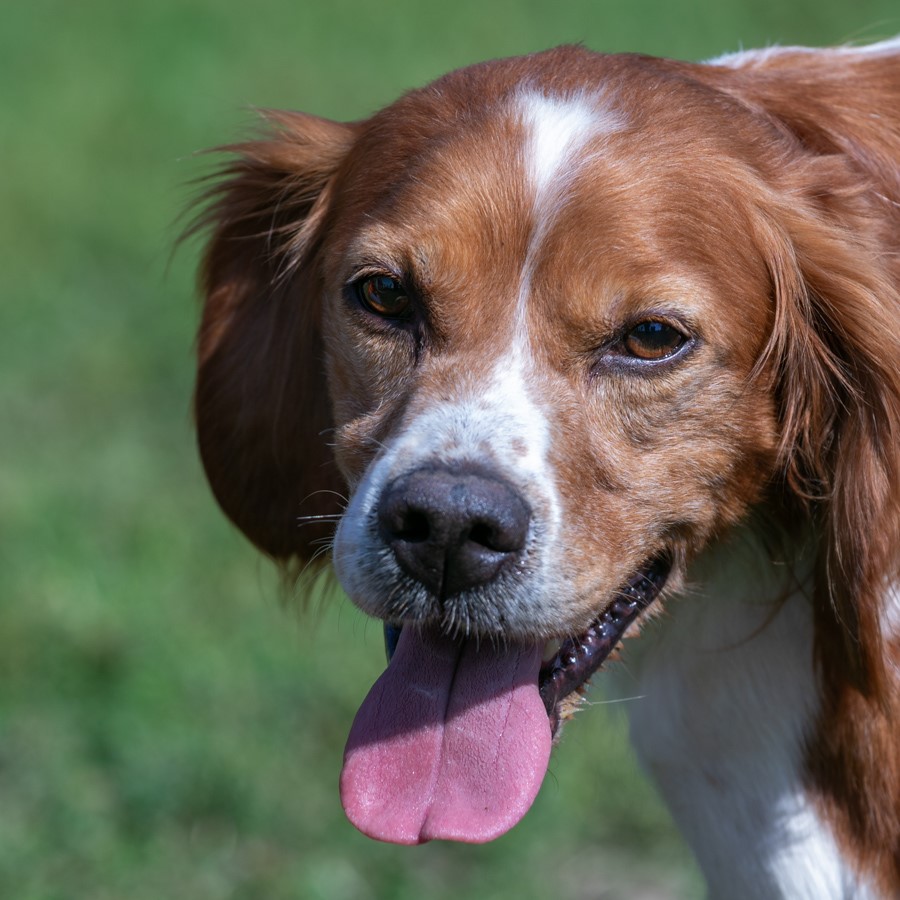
454, 739
578, 658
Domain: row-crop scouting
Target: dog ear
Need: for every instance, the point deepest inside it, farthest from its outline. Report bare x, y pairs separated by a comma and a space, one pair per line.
834, 354
261, 403
830, 231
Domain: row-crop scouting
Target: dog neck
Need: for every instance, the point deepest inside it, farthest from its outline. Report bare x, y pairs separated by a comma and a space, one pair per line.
728, 697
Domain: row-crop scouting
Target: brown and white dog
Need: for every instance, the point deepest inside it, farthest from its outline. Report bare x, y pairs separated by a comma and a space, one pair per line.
597, 344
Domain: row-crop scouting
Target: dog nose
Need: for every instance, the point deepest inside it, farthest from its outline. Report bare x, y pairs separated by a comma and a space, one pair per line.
452, 529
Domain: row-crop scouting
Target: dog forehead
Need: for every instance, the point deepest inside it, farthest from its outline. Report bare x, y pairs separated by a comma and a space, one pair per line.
472, 197
542, 196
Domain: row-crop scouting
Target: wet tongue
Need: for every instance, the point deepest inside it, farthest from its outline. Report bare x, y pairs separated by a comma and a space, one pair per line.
451, 743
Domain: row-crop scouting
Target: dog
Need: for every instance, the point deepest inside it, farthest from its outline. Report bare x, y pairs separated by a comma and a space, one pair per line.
570, 347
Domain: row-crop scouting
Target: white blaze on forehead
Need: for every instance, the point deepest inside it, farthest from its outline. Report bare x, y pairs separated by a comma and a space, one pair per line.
556, 130
557, 134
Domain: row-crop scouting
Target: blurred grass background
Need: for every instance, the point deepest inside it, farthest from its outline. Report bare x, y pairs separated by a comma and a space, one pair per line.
168, 729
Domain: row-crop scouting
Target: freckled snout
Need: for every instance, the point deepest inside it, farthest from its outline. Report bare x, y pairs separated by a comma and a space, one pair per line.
453, 529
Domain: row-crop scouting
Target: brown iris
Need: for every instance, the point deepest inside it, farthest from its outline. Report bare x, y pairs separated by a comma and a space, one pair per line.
653, 340
385, 296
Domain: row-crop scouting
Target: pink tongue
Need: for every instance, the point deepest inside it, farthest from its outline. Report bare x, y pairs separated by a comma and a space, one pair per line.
452, 742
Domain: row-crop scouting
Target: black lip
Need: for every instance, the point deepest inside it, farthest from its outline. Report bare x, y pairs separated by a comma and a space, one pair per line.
579, 658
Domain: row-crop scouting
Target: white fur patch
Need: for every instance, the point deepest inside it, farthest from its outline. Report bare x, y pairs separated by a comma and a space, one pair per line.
509, 392
891, 45
729, 695
756, 57
557, 128
557, 132
890, 623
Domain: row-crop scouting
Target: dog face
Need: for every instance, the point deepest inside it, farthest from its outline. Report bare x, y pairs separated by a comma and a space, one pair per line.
558, 322
512, 307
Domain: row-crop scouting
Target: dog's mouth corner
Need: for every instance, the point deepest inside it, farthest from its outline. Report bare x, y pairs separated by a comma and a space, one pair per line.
568, 665
569, 670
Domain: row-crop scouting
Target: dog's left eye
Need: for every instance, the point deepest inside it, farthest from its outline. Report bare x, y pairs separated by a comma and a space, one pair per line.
385, 296
653, 340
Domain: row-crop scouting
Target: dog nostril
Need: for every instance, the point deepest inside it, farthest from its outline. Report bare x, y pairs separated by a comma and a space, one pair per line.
484, 534
413, 528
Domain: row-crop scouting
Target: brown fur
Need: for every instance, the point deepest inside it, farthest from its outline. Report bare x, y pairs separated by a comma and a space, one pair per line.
794, 245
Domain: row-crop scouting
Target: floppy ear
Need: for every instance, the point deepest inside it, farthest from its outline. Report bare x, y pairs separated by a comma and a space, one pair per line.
261, 402
835, 355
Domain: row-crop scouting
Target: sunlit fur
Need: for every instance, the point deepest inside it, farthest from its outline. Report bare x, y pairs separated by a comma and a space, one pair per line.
535, 207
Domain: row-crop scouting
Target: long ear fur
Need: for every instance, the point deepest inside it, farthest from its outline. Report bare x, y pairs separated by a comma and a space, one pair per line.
836, 345
835, 354
831, 227
261, 402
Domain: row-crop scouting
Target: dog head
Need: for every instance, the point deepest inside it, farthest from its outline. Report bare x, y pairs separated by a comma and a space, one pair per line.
556, 323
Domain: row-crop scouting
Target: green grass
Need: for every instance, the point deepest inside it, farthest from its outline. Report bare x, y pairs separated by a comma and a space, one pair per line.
168, 728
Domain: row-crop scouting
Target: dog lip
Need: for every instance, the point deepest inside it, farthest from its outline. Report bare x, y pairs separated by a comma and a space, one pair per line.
579, 657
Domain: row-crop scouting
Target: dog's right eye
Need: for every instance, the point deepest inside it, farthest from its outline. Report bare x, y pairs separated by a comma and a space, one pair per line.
653, 341
385, 296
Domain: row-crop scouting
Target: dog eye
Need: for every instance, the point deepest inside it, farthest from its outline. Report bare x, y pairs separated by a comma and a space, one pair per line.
385, 296
653, 340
